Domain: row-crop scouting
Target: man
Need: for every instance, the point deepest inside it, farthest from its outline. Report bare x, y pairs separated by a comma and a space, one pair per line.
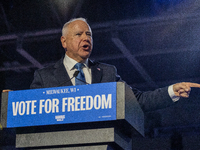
77, 41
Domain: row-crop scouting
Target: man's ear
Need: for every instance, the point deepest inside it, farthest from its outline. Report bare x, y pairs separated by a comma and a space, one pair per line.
63, 41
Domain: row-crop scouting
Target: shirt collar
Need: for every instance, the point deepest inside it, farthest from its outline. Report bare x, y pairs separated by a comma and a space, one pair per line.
69, 62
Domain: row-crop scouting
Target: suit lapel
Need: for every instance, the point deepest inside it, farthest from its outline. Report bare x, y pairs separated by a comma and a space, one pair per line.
63, 78
97, 72
61, 74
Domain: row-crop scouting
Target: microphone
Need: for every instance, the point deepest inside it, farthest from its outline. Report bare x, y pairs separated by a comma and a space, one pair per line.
74, 76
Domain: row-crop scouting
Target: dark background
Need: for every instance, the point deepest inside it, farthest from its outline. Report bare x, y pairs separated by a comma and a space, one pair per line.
153, 43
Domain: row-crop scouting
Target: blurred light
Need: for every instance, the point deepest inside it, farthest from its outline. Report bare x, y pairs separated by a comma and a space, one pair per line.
65, 7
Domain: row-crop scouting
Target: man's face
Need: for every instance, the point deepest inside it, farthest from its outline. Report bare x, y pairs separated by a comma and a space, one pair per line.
78, 40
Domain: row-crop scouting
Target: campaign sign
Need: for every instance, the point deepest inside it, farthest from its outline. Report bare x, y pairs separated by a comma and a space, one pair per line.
61, 105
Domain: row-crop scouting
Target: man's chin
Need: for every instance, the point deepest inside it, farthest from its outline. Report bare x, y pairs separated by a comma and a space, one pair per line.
86, 54
84, 57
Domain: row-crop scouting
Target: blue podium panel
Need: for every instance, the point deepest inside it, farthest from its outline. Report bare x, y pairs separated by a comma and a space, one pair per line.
61, 105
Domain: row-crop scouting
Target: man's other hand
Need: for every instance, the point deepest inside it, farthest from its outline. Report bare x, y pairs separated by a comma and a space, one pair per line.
183, 89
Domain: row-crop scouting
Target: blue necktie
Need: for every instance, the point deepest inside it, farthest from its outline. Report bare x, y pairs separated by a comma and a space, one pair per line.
80, 79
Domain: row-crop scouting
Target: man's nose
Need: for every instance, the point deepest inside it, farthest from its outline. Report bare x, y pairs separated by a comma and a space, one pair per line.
86, 37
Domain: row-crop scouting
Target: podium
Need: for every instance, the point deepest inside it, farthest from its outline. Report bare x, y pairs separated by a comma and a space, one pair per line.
111, 124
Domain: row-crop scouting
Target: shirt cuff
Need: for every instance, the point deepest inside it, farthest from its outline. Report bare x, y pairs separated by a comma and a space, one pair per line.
172, 94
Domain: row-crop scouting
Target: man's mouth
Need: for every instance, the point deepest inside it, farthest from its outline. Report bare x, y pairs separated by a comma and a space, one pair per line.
86, 46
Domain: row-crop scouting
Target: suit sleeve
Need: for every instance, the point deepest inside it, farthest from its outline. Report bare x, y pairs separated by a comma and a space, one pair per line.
150, 100
153, 100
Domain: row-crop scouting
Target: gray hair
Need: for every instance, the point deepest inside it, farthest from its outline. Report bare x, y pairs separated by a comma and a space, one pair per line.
64, 29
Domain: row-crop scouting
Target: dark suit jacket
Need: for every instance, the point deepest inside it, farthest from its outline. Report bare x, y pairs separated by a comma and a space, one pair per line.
57, 75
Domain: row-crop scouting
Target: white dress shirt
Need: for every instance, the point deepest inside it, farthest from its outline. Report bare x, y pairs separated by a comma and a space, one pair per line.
69, 66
